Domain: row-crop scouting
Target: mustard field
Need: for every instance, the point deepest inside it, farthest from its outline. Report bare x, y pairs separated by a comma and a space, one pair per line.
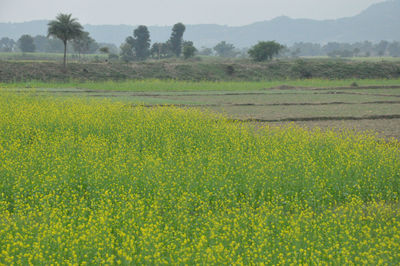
98, 182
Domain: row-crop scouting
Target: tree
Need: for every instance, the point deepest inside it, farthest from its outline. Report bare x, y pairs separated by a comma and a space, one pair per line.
206, 51
265, 50
25, 43
141, 42
40, 42
176, 38
394, 49
7, 44
126, 52
356, 51
84, 44
225, 49
65, 28
382, 47
188, 49
112, 48
104, 50
331, 47
159, 50
54, 45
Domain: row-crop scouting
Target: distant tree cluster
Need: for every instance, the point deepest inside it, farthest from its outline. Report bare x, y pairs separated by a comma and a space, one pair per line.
25, 43
224, 49
39, 43
137, 48
264, 51
336, 49
85, 44
7, 45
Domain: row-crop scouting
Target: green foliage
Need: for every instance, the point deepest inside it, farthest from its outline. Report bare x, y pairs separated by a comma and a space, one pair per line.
7, 44
264, 51
136, 47
206, 51
176, 38
55, 45
25, 43
65, 28
41, 43
160, 50
141, 42
188, 49
148, 85
394, 49
104, 50
84, 44
225, 49
126, 52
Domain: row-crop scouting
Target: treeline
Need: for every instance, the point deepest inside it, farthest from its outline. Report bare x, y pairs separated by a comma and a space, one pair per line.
40, 43
137, 47
331, 49
335, 49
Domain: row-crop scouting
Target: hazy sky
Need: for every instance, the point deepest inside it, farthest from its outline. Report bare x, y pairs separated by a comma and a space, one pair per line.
168, 12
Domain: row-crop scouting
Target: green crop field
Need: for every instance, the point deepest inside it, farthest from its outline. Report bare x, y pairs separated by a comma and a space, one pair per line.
94, 181
289, 172
151, 85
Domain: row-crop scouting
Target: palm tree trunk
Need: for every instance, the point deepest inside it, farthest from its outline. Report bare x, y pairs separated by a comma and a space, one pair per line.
65, 55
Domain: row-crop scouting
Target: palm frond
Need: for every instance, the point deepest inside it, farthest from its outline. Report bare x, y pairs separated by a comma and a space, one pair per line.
64, 27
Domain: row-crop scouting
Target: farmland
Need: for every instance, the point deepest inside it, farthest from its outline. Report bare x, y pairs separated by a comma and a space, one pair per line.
363, 105
182, 172
270, 143
97, 181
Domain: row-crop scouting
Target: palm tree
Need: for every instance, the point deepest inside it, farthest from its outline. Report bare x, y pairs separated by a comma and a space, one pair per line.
65, 28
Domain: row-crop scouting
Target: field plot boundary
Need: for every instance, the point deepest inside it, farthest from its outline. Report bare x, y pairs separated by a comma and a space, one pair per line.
112, 93
369, 87
256, 104
320, 118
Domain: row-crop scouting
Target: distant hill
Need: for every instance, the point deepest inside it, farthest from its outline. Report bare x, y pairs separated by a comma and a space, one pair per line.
378, 22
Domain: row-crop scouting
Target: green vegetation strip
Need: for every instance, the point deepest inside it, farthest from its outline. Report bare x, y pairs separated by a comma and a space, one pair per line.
174, 85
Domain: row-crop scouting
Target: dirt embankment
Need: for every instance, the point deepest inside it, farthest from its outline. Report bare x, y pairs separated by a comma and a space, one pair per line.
182, 70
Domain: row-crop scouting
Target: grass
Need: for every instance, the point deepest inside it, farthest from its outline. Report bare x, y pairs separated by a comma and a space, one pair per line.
91, 181
175, 85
